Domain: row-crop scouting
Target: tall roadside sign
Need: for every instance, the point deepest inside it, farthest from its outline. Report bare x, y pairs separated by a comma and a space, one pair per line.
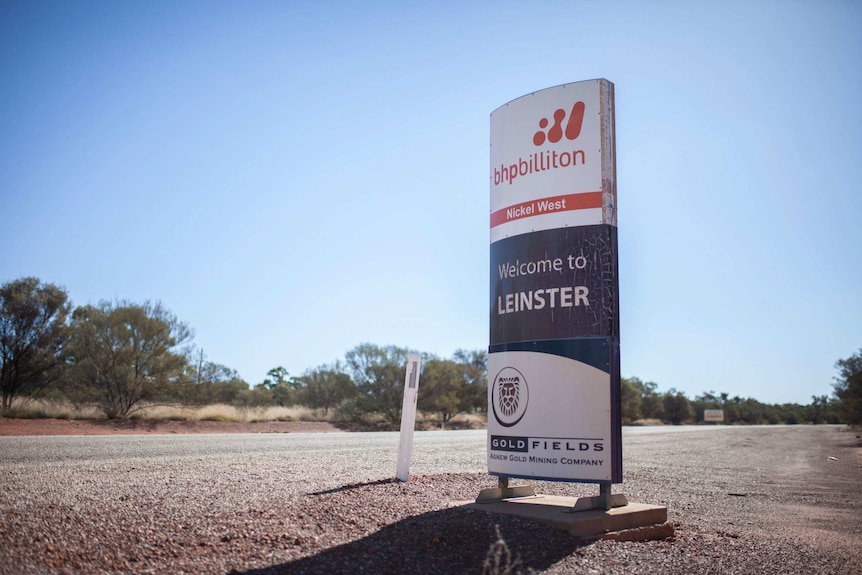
554, 353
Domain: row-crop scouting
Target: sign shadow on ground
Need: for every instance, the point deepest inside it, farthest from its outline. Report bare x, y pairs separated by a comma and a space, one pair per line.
454, 540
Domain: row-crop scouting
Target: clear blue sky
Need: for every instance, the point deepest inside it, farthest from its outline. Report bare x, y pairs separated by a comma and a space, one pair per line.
295, 178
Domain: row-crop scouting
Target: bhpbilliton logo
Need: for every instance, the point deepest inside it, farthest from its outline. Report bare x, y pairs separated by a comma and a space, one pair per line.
566, 126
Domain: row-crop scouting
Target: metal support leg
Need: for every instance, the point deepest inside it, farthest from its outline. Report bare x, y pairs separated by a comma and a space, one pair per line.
605, 496
604, 501
503, 491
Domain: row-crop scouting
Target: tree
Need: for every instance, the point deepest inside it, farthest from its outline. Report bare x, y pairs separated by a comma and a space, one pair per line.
475, 364
651, 404
677, 407
127, 353
732, 407
34, 332
631, 401
325, 387
279, 376
751, 411
229, 389
282, 387
848, 388
821, 410
209, 382
378, 373
443, 388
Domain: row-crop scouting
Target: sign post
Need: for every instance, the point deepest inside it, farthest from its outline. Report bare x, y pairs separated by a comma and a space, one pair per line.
408, 416
553, 365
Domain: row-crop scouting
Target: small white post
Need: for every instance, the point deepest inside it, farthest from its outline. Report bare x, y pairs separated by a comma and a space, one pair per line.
408, 416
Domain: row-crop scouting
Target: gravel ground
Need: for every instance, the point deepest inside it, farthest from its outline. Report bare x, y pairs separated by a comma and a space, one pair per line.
742, 500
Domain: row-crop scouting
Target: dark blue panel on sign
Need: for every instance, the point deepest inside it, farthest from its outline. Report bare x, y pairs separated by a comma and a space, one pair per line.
555, 284
593, 351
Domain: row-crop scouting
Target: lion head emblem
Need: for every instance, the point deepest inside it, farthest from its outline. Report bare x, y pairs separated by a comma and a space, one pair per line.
509, 396
509, 393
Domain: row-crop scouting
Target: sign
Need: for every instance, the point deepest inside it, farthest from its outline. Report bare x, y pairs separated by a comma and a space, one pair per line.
553, 363
713, 415
408, 416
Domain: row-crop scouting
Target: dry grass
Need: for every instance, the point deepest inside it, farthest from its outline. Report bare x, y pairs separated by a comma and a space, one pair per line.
44, 409
472, 420
647, 422
35, 409
428, 421
500, 561
222, 412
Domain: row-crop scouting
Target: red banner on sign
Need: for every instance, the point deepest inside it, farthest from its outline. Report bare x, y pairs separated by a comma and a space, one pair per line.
567, 203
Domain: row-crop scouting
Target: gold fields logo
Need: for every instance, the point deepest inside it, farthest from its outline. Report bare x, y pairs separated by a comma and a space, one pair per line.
509, 396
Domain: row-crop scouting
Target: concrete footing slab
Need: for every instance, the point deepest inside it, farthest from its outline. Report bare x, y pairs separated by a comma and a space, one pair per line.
556, 511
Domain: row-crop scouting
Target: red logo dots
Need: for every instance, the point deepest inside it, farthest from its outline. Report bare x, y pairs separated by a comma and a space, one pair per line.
555, 134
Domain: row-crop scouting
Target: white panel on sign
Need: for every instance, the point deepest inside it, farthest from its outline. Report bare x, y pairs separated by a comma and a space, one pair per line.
548, 418
550, 158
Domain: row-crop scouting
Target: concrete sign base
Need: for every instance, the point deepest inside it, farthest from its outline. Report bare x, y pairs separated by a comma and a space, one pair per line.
557, 511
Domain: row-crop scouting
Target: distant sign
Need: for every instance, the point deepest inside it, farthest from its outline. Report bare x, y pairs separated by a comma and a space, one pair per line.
713, 415
553, 363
